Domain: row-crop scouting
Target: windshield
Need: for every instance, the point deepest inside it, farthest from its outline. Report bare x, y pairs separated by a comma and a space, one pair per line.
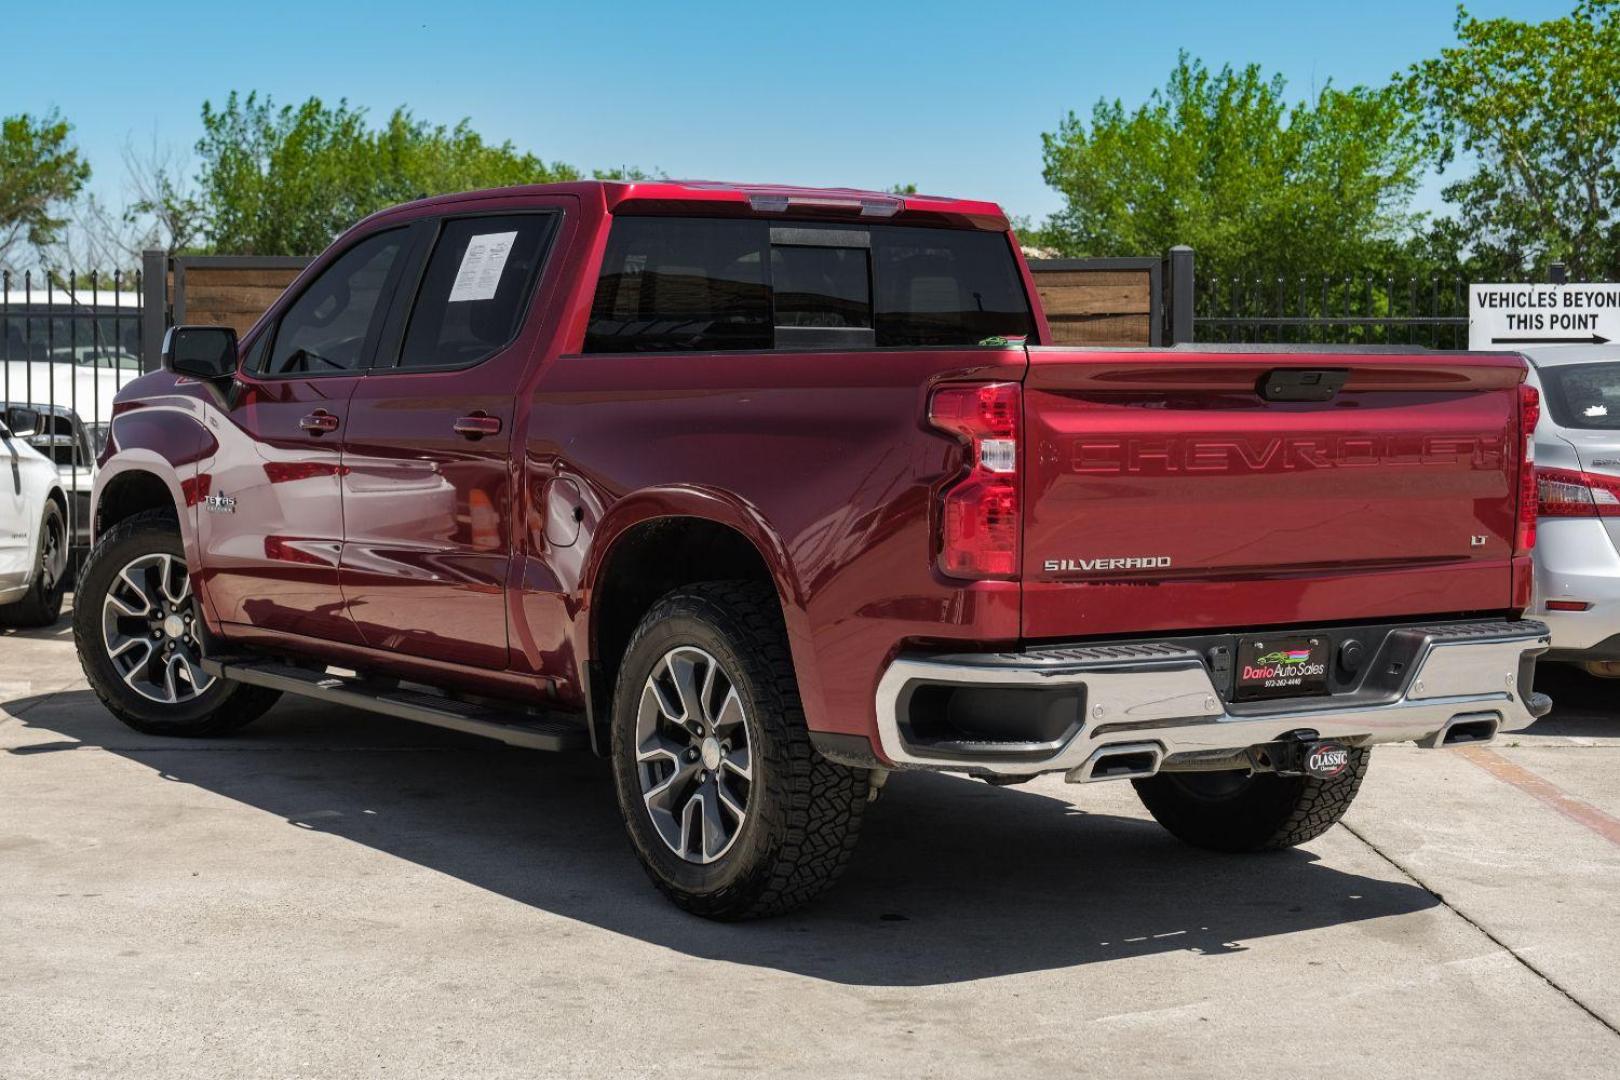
1583, 395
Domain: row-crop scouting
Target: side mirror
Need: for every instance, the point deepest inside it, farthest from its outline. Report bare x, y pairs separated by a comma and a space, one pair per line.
22, 421
203, 352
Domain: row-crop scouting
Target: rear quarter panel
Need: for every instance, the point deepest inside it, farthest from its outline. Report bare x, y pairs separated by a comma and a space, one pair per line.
823, 460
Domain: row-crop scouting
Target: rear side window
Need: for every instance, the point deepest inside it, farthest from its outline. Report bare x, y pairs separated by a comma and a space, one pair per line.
328, 328
1583, 395
475, 290
946, 287
709, 284
680, 283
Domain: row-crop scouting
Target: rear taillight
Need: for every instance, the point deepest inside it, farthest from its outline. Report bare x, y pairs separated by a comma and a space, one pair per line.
1570, 493
1524, 537
980, 517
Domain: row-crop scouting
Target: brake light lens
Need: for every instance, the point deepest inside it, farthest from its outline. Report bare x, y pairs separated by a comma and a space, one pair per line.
1524, 537
1570, 493
980, 518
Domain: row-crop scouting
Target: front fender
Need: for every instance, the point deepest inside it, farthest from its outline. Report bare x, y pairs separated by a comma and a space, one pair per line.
165, 439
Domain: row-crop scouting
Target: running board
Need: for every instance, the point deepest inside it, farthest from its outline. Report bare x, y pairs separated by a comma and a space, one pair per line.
515, 727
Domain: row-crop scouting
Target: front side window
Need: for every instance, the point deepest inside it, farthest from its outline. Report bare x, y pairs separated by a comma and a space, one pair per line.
475, 290
328, 328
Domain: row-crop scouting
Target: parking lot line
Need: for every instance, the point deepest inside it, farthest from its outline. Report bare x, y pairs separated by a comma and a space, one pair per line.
1545, 791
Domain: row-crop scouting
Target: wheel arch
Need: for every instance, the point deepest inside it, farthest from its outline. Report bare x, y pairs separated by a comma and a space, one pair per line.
656, 542
59, 497
127, 488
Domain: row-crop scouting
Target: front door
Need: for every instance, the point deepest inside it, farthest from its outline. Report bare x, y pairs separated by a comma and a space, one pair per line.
271, 519
428, 468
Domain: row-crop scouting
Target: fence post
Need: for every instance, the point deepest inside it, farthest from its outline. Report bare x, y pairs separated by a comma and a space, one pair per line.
1181, 294
154, 307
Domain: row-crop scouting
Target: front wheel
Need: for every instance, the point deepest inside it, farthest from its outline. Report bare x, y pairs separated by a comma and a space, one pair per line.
729, 808
139, 639
1239, 811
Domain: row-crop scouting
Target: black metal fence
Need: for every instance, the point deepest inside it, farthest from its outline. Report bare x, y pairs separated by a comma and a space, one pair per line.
1363, 310
68, 344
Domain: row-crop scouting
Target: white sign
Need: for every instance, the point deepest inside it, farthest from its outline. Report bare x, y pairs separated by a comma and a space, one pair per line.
1515, 316
481, 266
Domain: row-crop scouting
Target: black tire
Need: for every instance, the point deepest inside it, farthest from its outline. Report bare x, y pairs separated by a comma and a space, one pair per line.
42, 605
803, 811
219, 709
1228, 811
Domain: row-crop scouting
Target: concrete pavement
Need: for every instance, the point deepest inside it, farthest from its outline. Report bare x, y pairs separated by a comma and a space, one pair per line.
331, 893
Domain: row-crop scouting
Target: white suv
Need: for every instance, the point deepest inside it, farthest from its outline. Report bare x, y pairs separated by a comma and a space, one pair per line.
33, 527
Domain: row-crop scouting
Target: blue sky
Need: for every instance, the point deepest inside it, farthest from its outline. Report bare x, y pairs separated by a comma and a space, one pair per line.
951, 96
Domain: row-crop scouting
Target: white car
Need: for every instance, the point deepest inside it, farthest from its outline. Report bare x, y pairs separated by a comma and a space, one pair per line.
1577, 552
74, 400
33, 527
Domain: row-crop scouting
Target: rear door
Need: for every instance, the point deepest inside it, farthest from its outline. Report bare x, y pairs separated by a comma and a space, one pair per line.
1179, 490
272, 527
429, 470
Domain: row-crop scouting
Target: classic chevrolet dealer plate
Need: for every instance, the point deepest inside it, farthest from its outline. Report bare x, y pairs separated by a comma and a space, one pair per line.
1270, 667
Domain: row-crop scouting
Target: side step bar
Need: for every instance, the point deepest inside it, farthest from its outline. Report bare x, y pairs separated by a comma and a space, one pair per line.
515, 727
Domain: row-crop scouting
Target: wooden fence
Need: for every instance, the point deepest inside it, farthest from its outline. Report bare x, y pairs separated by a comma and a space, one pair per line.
229, 290
1087, 301
1101, 301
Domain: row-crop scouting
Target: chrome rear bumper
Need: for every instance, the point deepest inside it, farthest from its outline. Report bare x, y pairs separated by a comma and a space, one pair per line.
1148, 706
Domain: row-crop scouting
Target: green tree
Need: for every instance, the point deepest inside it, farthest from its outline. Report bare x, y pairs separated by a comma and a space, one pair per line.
287, 180
1258, 187
40, 174
1536, 105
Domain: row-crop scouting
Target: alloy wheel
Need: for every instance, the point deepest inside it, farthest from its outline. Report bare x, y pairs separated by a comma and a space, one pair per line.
693, 754
148, 627
53, 554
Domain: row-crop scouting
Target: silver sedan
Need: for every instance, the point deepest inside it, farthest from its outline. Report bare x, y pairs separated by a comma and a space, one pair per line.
1577, 552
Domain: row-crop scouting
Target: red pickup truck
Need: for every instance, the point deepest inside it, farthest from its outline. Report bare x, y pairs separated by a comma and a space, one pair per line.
767, 492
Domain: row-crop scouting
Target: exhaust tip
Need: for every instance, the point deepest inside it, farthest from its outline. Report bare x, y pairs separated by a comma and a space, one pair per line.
1125, 761
1462, 732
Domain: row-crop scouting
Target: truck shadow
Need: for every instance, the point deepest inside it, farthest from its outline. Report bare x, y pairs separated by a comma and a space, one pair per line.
953, 880
1583, 706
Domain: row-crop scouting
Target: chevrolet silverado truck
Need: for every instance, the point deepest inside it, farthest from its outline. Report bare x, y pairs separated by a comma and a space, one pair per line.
766, 492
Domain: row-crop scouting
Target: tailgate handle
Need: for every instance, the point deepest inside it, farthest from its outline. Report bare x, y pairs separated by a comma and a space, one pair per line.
1302, 384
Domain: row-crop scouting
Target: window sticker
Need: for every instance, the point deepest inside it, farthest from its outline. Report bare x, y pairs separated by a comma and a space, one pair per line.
481, 266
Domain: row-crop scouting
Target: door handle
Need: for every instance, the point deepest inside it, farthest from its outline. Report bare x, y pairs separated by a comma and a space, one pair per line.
477, 426
319, 421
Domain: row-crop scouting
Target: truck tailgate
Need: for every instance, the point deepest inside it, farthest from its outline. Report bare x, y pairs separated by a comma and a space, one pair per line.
1164, 491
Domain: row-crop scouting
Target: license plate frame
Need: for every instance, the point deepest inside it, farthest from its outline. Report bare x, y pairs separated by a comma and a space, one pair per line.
1271, 666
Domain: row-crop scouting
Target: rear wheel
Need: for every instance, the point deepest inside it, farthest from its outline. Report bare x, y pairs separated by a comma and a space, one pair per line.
730, 810
139, 636
1239, 811
42, 606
